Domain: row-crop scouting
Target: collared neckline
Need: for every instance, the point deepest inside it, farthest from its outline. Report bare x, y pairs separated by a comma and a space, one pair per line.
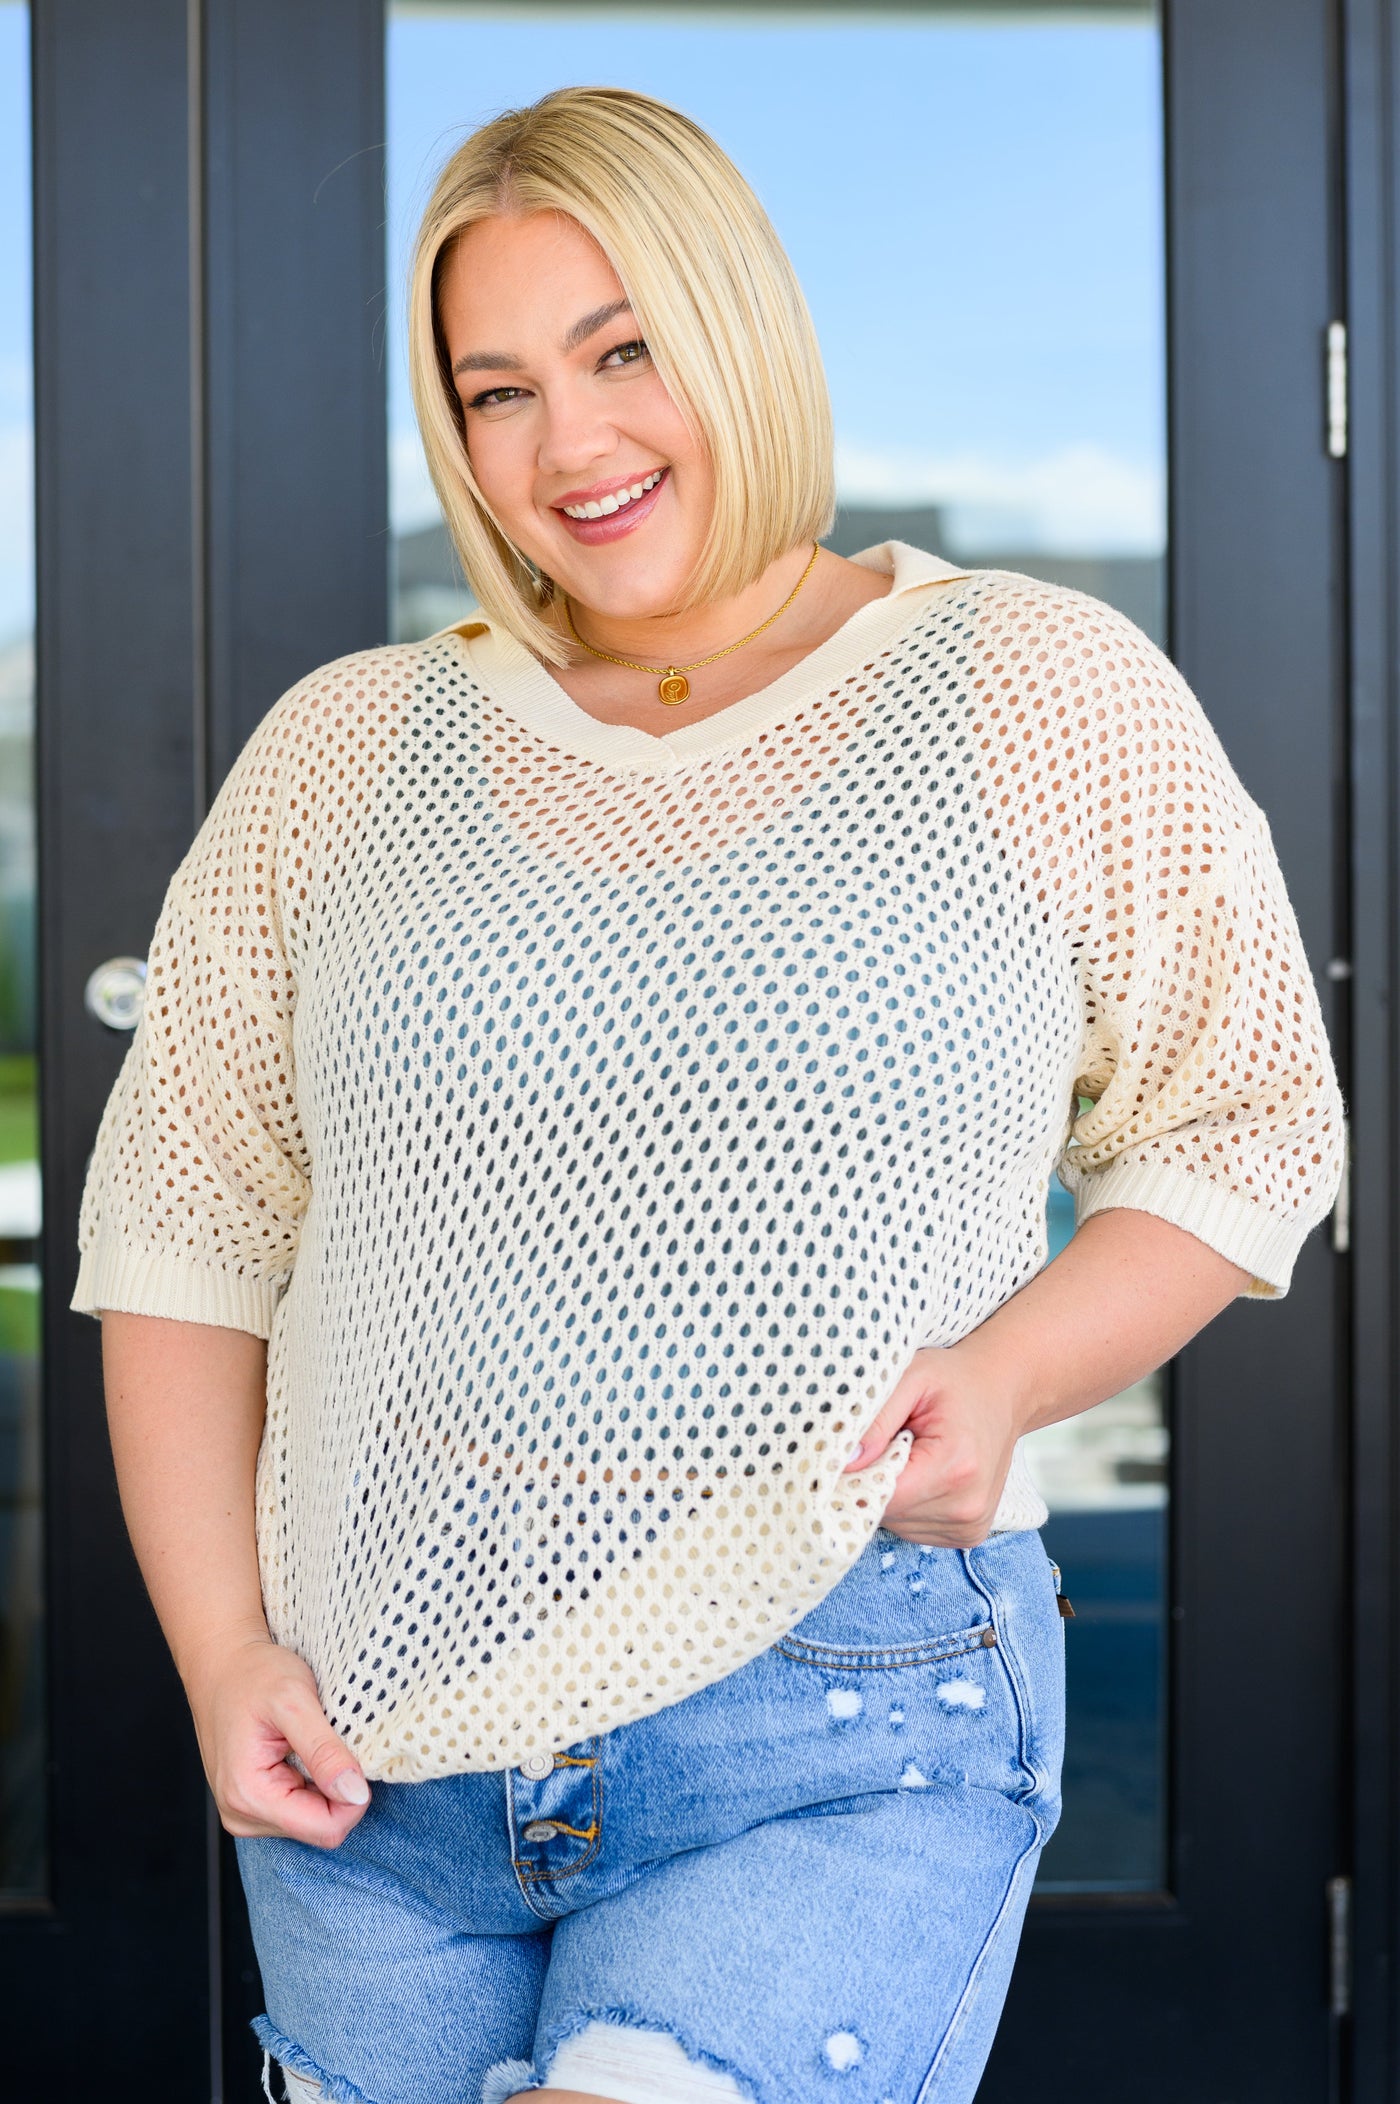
528, 692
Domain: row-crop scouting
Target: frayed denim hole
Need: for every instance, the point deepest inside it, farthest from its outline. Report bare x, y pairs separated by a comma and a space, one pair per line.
843, 2051
300, 2089
506, 2078
288, 2054
959, 1694
626, 2019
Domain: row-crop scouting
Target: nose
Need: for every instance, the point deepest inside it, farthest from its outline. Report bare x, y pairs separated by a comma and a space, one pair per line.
576, 434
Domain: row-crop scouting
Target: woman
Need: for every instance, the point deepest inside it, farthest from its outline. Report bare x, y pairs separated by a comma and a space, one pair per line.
570, 1227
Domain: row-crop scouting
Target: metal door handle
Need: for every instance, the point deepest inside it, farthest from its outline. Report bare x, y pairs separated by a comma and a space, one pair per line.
116, 991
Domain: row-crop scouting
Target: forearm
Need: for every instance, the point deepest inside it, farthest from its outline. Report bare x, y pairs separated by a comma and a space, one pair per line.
185, 1408
1125, 1294
186, 1403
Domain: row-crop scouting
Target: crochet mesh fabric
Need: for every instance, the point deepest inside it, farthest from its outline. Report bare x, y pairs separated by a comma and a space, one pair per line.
596, 1124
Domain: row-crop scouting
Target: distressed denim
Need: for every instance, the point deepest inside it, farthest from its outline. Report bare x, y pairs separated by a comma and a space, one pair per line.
804, 1882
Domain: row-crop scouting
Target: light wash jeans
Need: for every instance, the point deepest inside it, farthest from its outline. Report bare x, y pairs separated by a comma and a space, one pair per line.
804, 1882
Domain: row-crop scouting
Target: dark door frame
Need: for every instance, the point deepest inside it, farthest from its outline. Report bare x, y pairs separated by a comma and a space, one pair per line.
209, 299
1372, 85
116, 594
208, 211
1260, 1668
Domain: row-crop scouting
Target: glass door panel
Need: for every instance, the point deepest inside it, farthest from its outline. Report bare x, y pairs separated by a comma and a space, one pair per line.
22, 1737
973, 199
1105, 1478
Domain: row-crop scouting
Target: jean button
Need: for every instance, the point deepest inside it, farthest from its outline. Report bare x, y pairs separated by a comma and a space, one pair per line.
538, 1766
541, 1830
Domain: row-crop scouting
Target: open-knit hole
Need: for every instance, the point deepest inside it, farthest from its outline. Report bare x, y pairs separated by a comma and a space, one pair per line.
619, 819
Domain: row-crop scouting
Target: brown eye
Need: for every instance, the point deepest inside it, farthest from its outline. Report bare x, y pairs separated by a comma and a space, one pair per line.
627, 353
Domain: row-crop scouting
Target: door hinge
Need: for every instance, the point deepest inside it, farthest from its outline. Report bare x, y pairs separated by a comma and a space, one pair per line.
1339, 1946
1337, 389
1341, 1211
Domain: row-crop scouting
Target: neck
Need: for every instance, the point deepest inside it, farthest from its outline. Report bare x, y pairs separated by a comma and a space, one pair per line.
679, 638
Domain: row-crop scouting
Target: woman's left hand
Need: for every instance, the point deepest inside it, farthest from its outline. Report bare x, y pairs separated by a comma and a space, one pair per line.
1126, 1293
964, 1433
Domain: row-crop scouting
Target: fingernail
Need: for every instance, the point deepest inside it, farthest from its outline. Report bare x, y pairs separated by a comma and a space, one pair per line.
856, 1451
350, 1788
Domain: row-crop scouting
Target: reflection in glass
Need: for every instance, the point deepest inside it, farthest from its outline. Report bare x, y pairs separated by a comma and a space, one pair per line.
22, 1790
1104, 1477
973, 201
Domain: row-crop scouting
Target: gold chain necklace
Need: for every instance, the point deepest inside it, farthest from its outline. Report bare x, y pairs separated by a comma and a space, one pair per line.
672, 685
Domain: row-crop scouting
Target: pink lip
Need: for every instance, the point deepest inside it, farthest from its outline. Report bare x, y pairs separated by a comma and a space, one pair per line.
596, 493
617, 523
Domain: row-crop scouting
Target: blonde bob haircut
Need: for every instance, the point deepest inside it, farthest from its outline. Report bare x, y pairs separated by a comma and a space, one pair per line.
716, 300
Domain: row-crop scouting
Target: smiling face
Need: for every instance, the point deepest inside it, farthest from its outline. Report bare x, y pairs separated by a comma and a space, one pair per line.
575, 443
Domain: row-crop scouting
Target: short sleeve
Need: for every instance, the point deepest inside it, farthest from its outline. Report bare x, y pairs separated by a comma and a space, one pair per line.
197, 1184
1214, 1100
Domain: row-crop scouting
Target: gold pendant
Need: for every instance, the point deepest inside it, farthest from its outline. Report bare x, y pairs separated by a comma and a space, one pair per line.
674, 687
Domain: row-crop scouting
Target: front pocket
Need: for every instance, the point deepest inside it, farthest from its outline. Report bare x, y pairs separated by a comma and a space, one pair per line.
863, 1658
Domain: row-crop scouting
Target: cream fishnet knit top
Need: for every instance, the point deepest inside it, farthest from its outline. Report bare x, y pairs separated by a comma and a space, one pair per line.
596, 1122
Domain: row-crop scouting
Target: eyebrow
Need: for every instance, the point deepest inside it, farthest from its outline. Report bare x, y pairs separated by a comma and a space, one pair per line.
502, 362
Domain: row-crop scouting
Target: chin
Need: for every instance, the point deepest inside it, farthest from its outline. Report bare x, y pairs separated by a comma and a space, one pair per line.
630, 585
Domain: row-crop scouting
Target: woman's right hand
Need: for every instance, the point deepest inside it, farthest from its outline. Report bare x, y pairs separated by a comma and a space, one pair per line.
254, 1703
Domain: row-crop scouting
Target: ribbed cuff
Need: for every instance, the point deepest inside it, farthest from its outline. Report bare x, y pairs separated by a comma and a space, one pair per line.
131, 1281
1239, 1229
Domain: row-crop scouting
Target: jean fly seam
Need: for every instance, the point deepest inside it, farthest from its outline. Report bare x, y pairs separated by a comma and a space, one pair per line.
525, 1875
